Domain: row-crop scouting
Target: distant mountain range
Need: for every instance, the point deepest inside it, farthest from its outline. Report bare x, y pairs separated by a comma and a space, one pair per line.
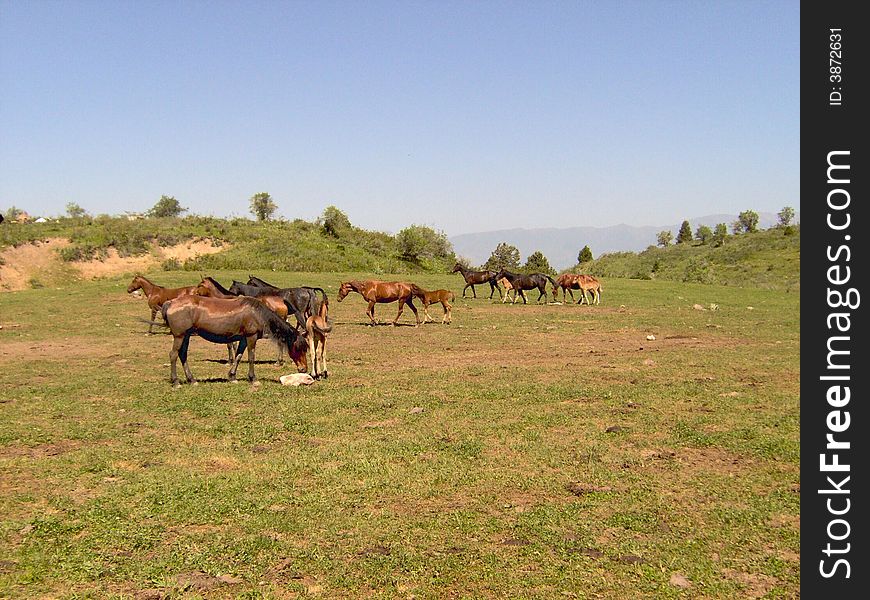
561, 246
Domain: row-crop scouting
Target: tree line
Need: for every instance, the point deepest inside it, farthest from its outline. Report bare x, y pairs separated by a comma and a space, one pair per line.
747, 222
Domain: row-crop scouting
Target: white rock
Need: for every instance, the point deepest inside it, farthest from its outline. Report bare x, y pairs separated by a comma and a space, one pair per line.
296, 379
651, 337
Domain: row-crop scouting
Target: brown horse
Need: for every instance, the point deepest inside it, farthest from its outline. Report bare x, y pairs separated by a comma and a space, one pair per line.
224, 321
319, 327
427, 297
377, 292
156, 294
211, 288
574, 281
473, 278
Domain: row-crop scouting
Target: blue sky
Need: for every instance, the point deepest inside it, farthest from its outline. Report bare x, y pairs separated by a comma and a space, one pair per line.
464, 116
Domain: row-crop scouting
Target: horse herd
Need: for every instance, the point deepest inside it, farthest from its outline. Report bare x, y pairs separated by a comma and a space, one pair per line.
244, 313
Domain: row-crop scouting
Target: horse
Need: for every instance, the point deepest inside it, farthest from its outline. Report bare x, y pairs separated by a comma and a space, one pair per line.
211, 288
301, 301
588, 282
507, 288
428, 297
522, 281
318, 327
573, 281
473, 278
224, 321
156, 294
375, 292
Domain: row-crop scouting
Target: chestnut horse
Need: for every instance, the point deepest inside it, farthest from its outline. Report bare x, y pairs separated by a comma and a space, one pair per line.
224, 321
507, 288
522, 281
156, 294
427, 297
319, 327
473, 278
376, 292
574, 281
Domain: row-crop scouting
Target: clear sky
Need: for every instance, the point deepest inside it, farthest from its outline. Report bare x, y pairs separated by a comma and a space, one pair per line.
464, 116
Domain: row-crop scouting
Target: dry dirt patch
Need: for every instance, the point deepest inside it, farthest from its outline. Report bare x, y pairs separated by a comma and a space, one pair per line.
21, 264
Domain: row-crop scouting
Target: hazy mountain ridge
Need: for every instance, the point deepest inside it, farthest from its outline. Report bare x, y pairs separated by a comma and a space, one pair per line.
561, 245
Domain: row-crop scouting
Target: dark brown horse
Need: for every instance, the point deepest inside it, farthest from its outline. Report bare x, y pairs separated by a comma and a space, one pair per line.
211, 288
523, 281
427, 297
376, 292
224, 321
473, 278
302, 301
156, 294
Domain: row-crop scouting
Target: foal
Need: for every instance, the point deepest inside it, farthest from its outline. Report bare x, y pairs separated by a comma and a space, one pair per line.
428, 297
156, 294
318, 327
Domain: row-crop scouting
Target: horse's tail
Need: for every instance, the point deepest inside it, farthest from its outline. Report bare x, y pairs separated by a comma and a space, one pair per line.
451, 297
163, 310
553, 281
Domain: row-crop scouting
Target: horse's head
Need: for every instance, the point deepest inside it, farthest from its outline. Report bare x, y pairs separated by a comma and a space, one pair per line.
297, 348
203, 289
235, 289
136, 284
456, 268
501, 274
344, 290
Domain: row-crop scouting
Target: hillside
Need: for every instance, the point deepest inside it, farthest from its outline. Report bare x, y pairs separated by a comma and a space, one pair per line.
44, 254
766, 259
561, 245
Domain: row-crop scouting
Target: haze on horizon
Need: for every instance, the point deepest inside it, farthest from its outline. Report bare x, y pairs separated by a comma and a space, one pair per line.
465, 117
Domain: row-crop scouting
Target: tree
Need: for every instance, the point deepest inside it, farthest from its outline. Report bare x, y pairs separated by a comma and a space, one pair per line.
418, 241
333, 221
504, 256
585, 255
785, 216
13, 212
704, 234
538, 263
748, 220
665, 238
262, 206
685, 234
167, 206
720, 232
75, 211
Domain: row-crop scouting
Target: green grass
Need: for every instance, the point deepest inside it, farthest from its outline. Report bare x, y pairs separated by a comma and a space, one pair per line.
767, 259
116, 485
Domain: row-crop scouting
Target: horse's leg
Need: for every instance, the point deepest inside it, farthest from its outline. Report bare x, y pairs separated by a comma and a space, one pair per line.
311, 351
252, 344
427, 318
542, 293
523, 294
153, 316
570, 292
473, 291
370, 311
401, 308
446, 319
467, 285
414, 308
240, 349
182, 354
173, 358
492, 290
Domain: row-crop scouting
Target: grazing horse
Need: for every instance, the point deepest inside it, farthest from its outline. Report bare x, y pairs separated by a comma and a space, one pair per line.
522, 281
375, 292
211, 288
427, 297
156, 294
573, 281
319, 327
224, 321
473, 278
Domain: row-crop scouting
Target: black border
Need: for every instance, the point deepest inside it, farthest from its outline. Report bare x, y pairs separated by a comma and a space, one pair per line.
825, 128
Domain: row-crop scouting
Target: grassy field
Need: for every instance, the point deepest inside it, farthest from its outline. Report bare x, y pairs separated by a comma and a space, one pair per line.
537, 451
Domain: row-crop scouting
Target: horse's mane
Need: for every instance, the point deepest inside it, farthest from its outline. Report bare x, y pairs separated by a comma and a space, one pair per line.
220, 288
